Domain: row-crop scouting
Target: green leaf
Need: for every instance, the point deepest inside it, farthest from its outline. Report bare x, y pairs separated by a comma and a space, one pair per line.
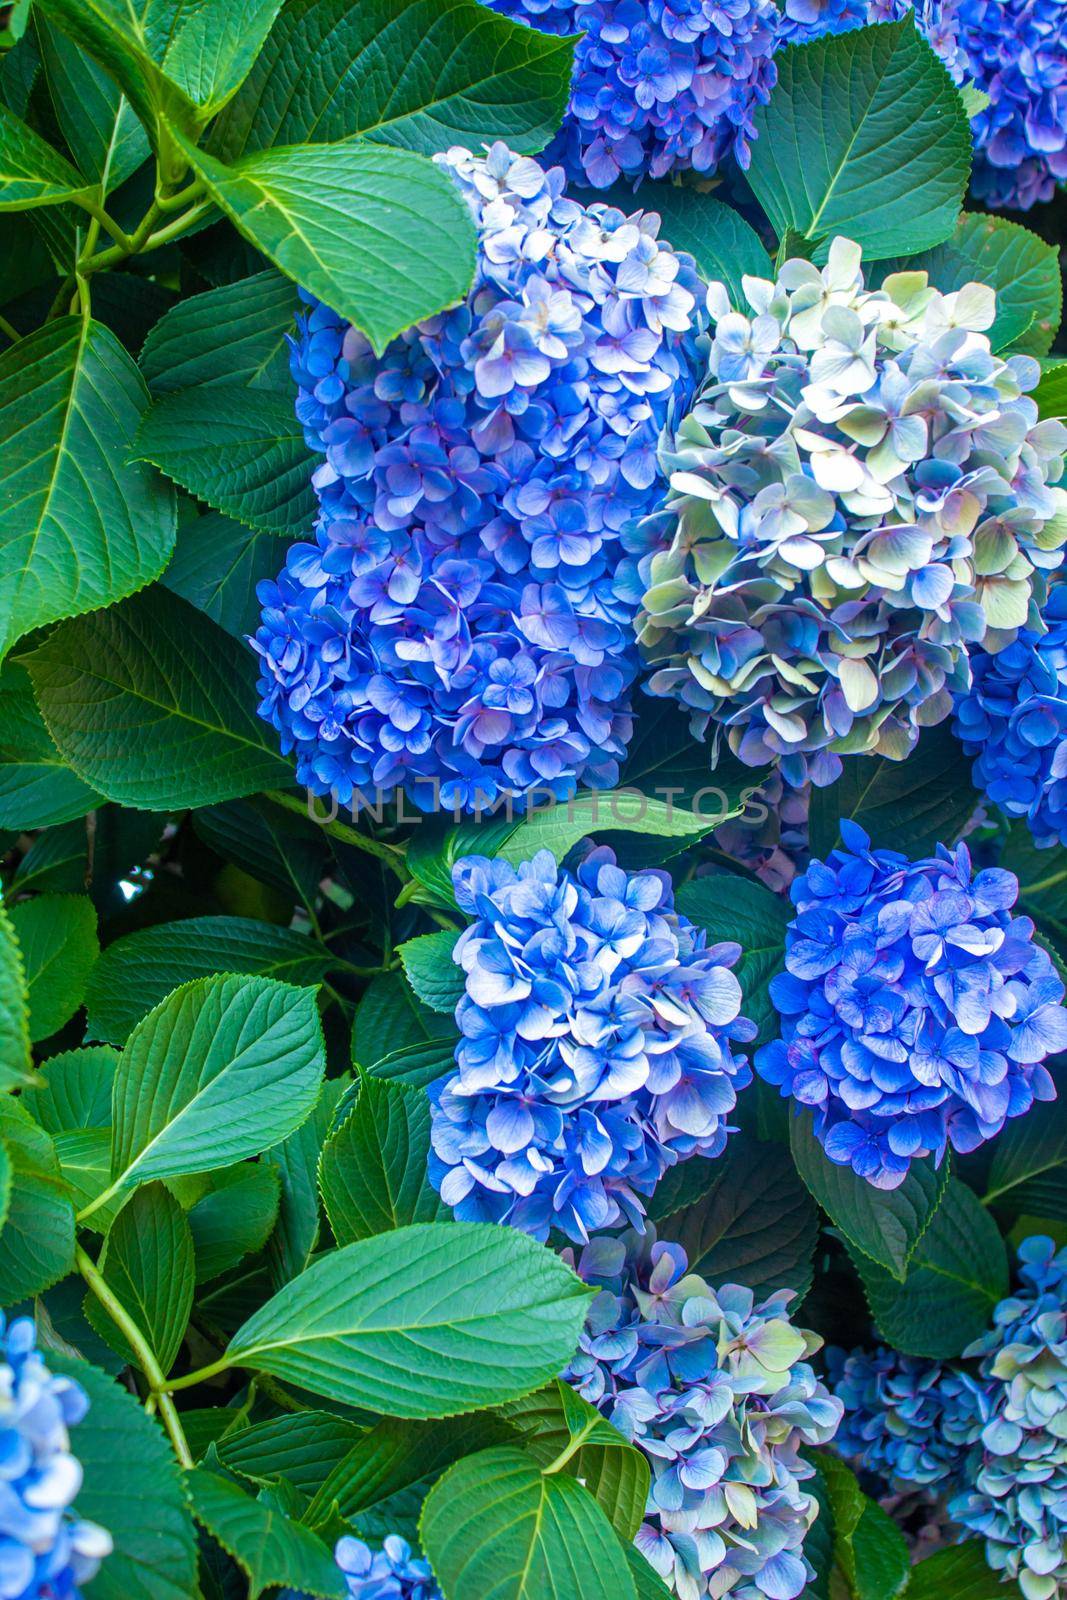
82, 525
865, 135
435, 977
37, 788
297, 1160
37, 1238
869, 1548
373, 1169
136, 972
1029, 1170
388, 1010
428, 1320
884, 1224
147, 1262
57, 937
16, 1062
422, 74
241, 450
1022, 268
958, 1272
133, 1488
233, 336
495, 1525
960, 1573
648, 1585
756, 1224
267, 1546
382, 235
99, 124
909, 805
561, 826
724, 246
437, 844
733, 908
154, 706
57, 861
1051, 392
273, 845
235, 1218
84, 1156
73, 1090
31, 172
216, 566
222, 1069
304, 1447
417, 1064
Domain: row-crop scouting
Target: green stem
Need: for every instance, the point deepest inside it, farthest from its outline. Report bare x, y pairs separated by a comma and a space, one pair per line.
570, 1449
144, 240
201, 1375
391, 854
94, 1205
143, 1354
9, 331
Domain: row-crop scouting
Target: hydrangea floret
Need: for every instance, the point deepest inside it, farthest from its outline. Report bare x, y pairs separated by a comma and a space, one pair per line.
916, 1009
1013, 719
659, 86
45, 1552
597, 1027
861, 493
391, 1573
454, 629
1012, 51
907, 1419
718, 1392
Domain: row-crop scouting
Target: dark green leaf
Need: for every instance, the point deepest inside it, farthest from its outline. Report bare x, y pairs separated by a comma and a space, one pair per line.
266, 1544
868, 1547
31, 172
960, 1573
98, 122
373, 1169
909, 805
37, 788
37, 1238
417, 1064
1029, 1171
724, 246
216, 566
147, 1262
57, 861
57, 938
435, 977
273, 845
233, 336
297, 1161
648, 1585
235, 1217
389, 1011
16, 1066
303, 1447
733, 908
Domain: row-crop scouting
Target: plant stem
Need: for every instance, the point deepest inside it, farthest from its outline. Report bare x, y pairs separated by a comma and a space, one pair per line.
144, 239
571, 1449
167, 1386
145, 1358
9, 331
391, 854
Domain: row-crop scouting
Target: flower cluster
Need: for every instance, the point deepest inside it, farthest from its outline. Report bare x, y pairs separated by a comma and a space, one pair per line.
1014, 720
1013, 51
860, 493
659, 86
994, 1436
45, 1553
718, 1392
454, 630
916, 1010
596, 1030
391, 1573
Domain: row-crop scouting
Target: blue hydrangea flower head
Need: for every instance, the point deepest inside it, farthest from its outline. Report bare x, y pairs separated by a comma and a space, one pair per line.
1013, 51
391, 1573
908, 1420
45, 1552
659, 86
597, 1029
454, 630
1013, 718
916, 1009
1014, 1491
718, 1392
839, 532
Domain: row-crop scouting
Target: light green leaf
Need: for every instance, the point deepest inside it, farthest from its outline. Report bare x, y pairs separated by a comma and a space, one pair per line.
1051, 392
84, 1156
57, 937
37, 1238
910, 805
382, 235
733, 908
958, 1272
270, 1548
234, 336
147, 1262
561, 826
373, 1169
98, 122
37, 788
495, 1525
131, 1487
154, 706
16, 1062
431, 971
222, 1069
31, 172
138, 971
73, 1090
241, 450
80, 524
648, 1585
428, 1320
235, 1218
865, 135
1022, 269
423, 74
297, 1160
417, 1064
885, 1225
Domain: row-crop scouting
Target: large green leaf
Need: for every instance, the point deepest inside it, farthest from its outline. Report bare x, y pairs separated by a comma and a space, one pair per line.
235, 1217
154, 706
234, 335
496, 1525
133, 1488
297, 1161
910, 805
388, 1010
417, 1064
428, 1320
868, 1547
99, 124
884, 1224
147, 1262
423, 74
37, 788
865, 135
138, 971
960, 1573
16, 1063
218, 564
559, 827
382, 235
734, 908
304, 1447
435, 977
1029, 1171
1021, 267
222, 1069
73, 1090
37, 1238
1051, 392
57, 937
266, 1544
958, 1272
240, 450
80, 524
373, 1169
31, 172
